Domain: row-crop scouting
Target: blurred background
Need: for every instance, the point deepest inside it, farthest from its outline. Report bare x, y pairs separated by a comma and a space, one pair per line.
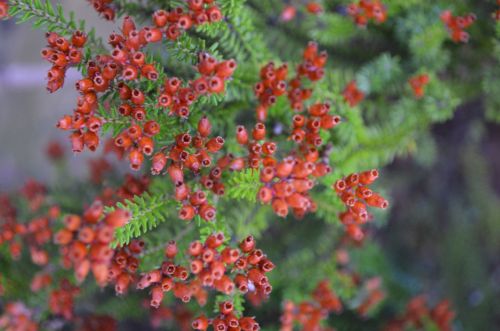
28, 113
444, 227
442, 233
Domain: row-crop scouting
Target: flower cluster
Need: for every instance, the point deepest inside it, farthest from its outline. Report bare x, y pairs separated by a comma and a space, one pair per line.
124, 264
4, 9
354, 192
456, 25
373, 295
314, 7
40, 281
35, 194
210, 266
35, 234
418, 311
272, 85
307, 127
62, 54
352, 94
137, 140
310, 314
111, 72
17, 317
369, 290
286, 182
226, 320
178, 20
418, 83
123, 72
9, 228
311, 68
104, 8
132, 186
366, 10
84, 243
290, 11
212, 78
274, 82
61, 300
194, 155
38, 234
85, 240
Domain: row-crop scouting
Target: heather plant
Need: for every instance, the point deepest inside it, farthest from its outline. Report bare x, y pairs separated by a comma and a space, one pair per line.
253, 134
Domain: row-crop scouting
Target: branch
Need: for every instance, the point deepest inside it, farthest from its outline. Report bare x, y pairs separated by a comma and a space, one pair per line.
53, 18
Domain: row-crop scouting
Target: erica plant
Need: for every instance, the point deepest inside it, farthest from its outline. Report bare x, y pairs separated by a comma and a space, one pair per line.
236, 146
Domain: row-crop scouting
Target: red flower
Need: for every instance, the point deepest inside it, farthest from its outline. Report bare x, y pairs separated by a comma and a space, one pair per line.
4, 9
456, 25
366, 10
352, 95
418, 84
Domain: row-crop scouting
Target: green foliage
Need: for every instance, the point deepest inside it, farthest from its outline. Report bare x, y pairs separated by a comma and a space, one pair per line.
244, 185
389, 123
245, 218
237, 36
304, 264
380, 75
148, 211
425, 36
337, 30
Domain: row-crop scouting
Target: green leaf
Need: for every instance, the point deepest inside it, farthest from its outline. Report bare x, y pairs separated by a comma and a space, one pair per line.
244, 185
148, 211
